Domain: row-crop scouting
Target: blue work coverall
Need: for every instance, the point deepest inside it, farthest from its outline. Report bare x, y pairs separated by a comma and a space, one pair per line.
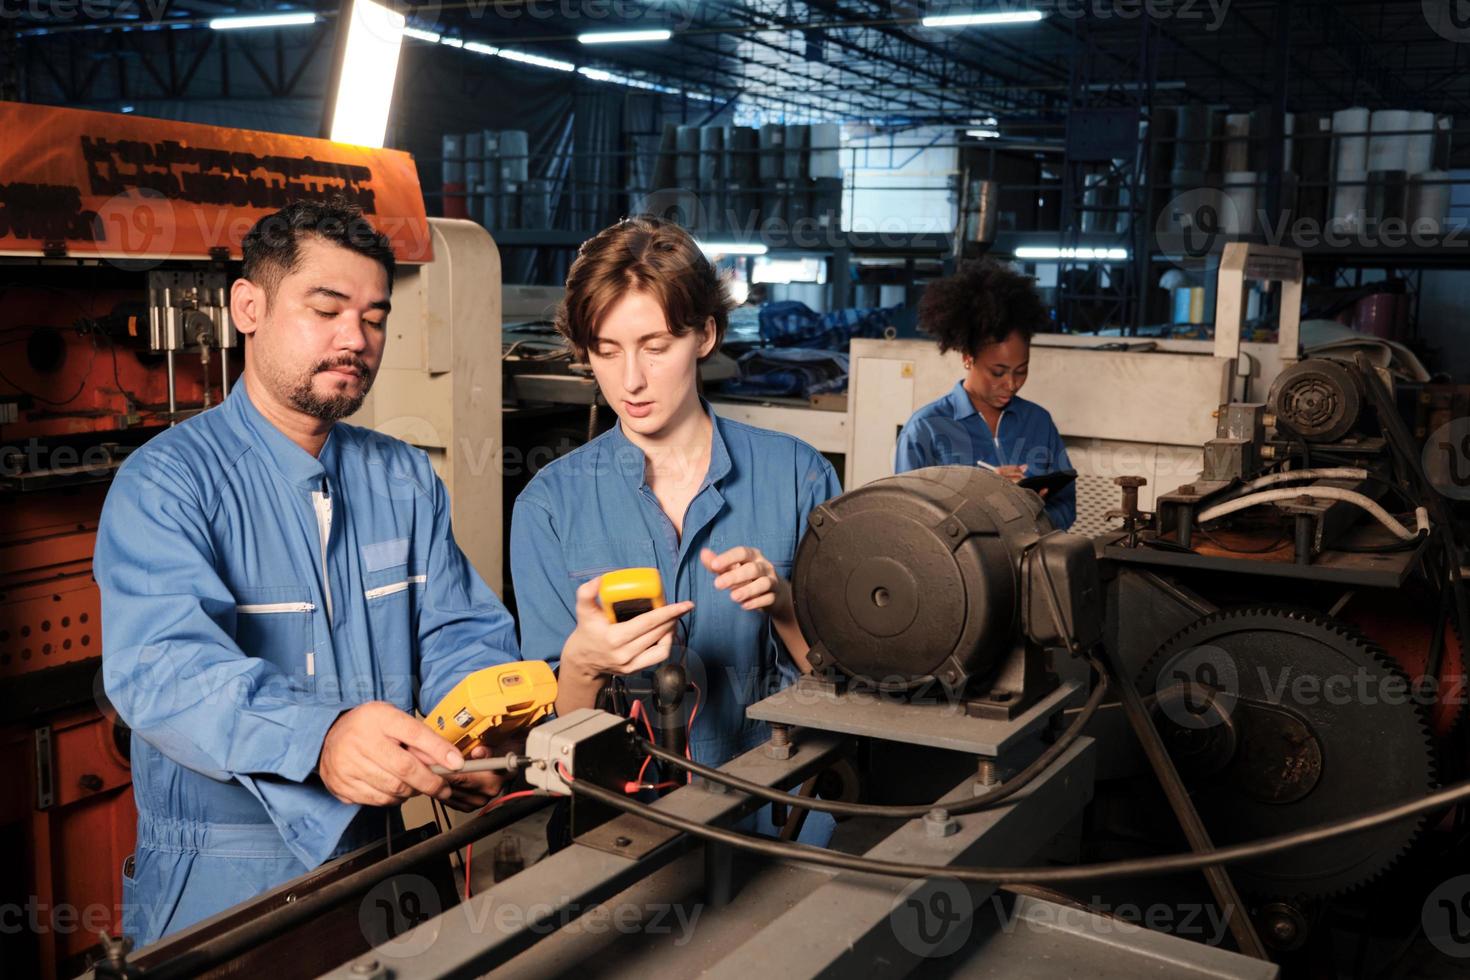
592, 511
252, 593
949, 432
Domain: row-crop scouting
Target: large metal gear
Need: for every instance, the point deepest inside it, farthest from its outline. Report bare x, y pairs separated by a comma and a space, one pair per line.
1280, 720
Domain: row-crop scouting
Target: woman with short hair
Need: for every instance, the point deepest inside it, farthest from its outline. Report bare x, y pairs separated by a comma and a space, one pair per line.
718, 507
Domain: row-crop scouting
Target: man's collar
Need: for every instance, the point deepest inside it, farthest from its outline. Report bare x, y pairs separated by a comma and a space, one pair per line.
294, 463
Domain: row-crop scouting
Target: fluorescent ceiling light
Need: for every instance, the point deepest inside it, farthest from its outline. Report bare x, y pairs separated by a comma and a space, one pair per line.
479, 48
1052, 253
535, 59
997, 19
262, 20
453, 42
617, 37
733, 248
419, 35
982, 134
369, 67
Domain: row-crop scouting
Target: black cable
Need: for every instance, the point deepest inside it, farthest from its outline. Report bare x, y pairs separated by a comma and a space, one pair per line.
1132, 868
992, 798
1297, 437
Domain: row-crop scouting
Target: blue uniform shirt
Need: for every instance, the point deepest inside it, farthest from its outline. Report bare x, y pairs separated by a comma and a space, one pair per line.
251, 593
591, 511
950, 432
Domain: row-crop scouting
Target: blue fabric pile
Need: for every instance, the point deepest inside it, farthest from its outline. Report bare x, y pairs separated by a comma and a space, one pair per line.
793, 324
793, 372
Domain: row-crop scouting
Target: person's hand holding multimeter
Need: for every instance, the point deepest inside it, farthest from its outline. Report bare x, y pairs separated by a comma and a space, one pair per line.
624, 626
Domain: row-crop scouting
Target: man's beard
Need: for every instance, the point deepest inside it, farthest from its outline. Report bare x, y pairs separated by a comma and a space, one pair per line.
330, 408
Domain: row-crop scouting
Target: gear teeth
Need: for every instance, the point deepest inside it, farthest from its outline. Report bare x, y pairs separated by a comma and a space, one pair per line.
1358, 642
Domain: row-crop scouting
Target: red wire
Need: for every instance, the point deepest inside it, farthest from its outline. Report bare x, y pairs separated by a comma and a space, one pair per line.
637, 710
689, 733
469, 851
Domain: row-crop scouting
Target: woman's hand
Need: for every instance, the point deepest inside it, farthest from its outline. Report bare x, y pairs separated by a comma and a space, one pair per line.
751, 580
1013, 473
598, 648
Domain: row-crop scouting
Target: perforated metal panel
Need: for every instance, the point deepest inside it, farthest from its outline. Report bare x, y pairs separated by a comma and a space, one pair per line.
1096, 495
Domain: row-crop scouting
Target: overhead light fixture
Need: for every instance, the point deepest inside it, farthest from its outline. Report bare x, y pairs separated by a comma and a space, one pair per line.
453, 42
1051, 253
369, 68
262, 20
733, 248
619, 37
982, 134
479, 48
535, 59
994, 19
421, 35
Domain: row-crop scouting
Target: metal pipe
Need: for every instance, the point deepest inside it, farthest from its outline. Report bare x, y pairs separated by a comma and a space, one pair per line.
172, 397
1218, 878
273, 924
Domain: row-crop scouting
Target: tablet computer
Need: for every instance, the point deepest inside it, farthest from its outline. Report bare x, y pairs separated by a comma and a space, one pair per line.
1052, 483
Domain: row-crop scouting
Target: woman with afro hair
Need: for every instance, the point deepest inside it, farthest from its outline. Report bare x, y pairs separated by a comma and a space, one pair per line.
988, 313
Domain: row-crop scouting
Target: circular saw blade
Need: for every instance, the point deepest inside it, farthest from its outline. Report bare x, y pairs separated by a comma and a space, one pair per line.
1321, 725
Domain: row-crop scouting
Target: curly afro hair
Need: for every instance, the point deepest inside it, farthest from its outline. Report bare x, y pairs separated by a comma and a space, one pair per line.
982, 304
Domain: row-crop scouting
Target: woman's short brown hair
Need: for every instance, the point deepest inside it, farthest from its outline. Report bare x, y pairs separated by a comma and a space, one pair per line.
648, 254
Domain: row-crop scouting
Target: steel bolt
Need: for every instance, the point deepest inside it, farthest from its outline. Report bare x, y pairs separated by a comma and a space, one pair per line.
622, 841
985, 774
938, 823
779, 747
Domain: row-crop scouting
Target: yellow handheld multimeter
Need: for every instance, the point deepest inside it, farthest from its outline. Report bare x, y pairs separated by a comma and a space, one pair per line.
630, 592
493, 703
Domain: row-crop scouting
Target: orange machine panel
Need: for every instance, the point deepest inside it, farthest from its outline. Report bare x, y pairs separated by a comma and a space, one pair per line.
129, 187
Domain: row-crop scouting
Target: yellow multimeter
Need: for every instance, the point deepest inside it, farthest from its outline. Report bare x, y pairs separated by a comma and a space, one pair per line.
630, 592
493, 703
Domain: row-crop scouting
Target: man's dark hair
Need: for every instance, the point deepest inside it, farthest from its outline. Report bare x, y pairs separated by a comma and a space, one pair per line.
273, 247
982, 304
